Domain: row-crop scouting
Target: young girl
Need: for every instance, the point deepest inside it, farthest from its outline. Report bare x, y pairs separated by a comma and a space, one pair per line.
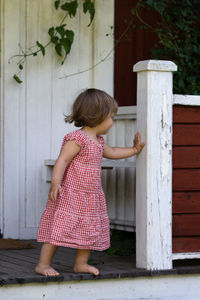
76, 213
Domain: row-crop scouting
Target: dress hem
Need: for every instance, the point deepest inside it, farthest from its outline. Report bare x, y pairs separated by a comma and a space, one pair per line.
71, 245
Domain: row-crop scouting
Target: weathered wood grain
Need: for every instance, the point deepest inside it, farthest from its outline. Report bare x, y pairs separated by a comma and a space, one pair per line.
186, 179
186, 157
186, 134
186, 225
186, 114
186, 244
186, 202
154, 165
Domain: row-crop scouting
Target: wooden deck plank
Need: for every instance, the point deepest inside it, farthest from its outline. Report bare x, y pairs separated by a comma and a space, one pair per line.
17, 266
22, 258
16, 260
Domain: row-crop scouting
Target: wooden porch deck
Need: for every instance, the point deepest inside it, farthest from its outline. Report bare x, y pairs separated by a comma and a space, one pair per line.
17, 266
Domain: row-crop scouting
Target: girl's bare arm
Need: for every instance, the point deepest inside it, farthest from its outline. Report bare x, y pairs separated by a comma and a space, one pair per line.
119, 152
67, 153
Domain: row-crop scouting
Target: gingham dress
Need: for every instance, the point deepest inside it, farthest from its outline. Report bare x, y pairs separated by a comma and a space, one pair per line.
78, 218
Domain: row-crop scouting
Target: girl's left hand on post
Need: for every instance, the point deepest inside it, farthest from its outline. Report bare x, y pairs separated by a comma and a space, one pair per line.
138, 145
54, 190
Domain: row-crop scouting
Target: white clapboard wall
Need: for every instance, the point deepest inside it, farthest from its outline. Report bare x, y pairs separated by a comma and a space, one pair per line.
119, 182
32, 125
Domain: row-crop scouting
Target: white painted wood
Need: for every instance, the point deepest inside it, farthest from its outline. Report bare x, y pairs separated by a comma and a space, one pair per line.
12, 93
168, 287
1, 114
106, 163
120, 185
130, 175
126, 112
103, 75
120, 173
34, 111
154, 165
186, 99
155, 65
186, 255
111, 178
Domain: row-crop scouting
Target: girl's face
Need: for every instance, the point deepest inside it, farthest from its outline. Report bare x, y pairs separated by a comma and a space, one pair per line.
104, 126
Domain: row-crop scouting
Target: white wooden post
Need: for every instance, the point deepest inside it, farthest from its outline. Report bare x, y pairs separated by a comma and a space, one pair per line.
154, 165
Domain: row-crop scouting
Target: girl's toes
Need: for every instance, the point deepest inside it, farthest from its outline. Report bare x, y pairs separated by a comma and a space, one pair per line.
86, 269
46, 270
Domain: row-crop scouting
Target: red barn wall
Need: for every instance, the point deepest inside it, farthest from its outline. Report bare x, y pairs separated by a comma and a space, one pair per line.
186, 179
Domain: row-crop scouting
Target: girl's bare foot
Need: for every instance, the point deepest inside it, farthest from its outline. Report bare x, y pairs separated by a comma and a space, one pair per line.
85, 268
46, 270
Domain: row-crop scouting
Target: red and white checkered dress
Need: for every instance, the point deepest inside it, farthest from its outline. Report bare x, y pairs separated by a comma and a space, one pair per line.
78, 218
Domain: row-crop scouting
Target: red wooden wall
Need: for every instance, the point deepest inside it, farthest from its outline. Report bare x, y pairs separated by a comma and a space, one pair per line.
131, 49
186, 179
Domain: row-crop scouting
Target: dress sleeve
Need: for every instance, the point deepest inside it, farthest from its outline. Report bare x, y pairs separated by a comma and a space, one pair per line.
77, 136
101, 139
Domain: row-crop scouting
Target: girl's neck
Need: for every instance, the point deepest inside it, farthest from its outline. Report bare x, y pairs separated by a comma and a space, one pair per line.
91, 132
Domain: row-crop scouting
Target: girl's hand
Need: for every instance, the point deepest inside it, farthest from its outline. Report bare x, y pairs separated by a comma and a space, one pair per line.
54, 190
137, 143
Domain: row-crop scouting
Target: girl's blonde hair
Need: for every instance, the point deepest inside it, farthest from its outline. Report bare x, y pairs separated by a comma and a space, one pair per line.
91, 107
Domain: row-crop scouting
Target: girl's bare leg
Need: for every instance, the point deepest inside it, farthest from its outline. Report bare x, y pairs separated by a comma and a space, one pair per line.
44, 265
81, 265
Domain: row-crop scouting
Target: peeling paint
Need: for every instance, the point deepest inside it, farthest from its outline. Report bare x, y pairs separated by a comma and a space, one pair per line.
165, 139
154, 200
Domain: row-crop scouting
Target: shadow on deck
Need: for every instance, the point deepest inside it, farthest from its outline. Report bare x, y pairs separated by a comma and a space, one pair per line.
17, 266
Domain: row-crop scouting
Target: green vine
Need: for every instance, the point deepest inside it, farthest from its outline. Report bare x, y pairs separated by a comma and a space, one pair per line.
60, 36
177, 29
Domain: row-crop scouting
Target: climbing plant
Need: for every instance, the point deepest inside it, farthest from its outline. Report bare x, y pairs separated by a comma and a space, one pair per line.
60, 36
177, 27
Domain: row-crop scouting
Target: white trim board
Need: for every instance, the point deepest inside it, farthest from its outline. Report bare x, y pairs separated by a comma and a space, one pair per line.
171, 287
126, 112
1, 117
186, 99
187, 255
106, 164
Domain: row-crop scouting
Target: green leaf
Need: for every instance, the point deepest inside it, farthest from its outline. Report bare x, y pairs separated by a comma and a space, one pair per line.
20, 67
58, 49
57, 3
70, 35
54, 39
71, 7
41, 48
35, 54
66, 44
88, 6
17, 79
51, 31
61, 30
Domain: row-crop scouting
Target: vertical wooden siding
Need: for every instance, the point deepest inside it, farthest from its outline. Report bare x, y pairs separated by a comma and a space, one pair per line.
186, 179
134, 46
33, 111
119, 183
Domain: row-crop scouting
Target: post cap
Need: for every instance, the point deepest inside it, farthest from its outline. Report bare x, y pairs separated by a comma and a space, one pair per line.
155, 65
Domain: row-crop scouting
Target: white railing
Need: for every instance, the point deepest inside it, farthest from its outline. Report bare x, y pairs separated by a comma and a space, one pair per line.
155, 101
154, 165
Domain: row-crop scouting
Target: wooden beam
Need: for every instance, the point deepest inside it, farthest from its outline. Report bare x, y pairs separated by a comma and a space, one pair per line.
154, 165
